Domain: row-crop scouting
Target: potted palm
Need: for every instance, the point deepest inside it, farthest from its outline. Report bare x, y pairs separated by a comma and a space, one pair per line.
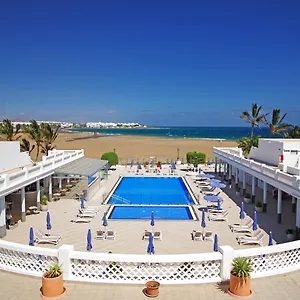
240, 282
258, 206
52, 282
247, 198
44, 203
152, 288
238, 190
290, 234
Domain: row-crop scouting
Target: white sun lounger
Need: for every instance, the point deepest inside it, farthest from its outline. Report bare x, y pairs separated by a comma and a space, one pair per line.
216, 211
48, 235
40, 239
101, 235
251, 235
110, 234
81, 220
87, 212
218, 217
252, 240
86, 215
197, 236
157, 235
247, 225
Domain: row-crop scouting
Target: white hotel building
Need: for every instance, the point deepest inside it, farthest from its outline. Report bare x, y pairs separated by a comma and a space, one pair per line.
274, 166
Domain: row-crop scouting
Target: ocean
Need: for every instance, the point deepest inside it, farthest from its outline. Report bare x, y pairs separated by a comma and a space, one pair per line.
215, 133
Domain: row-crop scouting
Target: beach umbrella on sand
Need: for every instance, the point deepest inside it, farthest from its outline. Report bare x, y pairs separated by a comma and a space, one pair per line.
48, 221
31, 237
216, 243
152, 223
270, 239
254, 225
105, 220
150, 248
218, 185
242, 213
82, 201
203, 224
89, 240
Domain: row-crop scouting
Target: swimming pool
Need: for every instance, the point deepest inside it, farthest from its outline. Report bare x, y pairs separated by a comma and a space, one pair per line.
151, 190
144, 212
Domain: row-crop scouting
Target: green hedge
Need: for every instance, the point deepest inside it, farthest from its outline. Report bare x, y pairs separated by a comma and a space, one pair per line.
196, 158
112, 158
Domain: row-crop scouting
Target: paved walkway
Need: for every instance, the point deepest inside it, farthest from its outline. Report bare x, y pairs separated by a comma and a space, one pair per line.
15, 287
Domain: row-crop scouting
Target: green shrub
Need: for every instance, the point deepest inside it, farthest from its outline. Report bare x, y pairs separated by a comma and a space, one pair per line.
241, 267
44, 200
196, 158
258, 203
247, 196
112, 158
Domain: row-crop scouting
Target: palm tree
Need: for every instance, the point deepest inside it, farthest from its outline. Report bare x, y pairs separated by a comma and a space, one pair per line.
33, 130
49, 135
293, 134
8, 130
254, 118
276, 125
247, 143
26, 146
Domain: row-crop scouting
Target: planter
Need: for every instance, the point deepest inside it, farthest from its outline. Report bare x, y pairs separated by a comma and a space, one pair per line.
247, 200
44, 207
239, 286
290, 237
238, 193
152, 288
258, 209
53, 287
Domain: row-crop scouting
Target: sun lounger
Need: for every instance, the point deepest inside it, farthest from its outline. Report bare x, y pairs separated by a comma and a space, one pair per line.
88, 211
86, 215
110, 234
208, 236
216, 211
157, 235
250, 235
252, 240
218, 217
197, 236
101, 235
49, 235
40, 239
247, 225
81, 220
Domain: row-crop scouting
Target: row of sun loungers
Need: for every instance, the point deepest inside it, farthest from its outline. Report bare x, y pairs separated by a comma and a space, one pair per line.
157, 235
202, 236
105, 235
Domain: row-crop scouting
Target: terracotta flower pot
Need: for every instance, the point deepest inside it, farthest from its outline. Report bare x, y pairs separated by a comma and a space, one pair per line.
240, 286
152, 288
52, 287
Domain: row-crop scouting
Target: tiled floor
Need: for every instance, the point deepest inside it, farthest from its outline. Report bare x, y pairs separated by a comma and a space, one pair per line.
17, 287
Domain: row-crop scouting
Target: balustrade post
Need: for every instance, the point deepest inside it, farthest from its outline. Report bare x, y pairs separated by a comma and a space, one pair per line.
226, 263
64, 253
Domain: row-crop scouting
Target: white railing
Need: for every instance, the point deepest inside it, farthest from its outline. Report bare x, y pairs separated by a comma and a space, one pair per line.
137, 269
57, 158
289, 183
293, 170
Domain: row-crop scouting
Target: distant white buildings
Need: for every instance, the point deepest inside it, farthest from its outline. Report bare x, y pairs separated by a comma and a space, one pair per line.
62, 124
112, 125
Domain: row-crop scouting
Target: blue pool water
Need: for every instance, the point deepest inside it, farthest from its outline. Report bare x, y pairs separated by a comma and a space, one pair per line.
151, 190
91, 179
144, 212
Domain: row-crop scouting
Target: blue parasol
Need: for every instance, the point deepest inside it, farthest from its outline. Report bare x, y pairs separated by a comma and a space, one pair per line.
150, 248
48, 221
139, 166
89, 240
104, 220
270, 239
152, 223
213, 198
219, 204
203, 224
254, 225
214, 180
242, 213
207, 176
82, 201
31, 237
218, 185
131, 163
216, 243
152, 163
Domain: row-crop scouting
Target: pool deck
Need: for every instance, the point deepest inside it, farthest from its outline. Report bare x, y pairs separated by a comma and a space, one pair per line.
176, 234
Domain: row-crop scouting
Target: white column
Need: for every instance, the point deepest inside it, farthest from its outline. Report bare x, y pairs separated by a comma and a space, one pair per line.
220, 165
64, 259
265, 197
294, 204
279, 206
216, 164
253, 189
236, 177
23, 205
2, 217
244, 183
298, 218
224, 171
38, 193
50, 188
60, 182
230, 174
68, 179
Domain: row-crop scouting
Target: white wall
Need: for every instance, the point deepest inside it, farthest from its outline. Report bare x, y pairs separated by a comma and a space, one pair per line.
291, 153
11, 157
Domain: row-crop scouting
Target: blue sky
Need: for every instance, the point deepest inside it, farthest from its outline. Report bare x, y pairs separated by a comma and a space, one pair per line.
189, 63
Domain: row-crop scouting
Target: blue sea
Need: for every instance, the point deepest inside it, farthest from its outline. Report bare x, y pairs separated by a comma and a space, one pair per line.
219, 133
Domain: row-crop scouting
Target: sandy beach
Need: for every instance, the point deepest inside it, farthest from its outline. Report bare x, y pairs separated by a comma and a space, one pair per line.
137, 147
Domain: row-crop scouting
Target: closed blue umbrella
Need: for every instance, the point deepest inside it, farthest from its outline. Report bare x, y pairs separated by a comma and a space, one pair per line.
218, 185
131, 163
89, 240
203, 224
104, 220
173, 166
139, 166
82, 202
254, 225
150, 249
216, 243
270, 239
152, 163
242, 213
219, 205
152, 223
48, 221
31, 237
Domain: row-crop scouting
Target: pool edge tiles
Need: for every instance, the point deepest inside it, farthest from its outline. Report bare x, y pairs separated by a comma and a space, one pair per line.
182, 181
190, 210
